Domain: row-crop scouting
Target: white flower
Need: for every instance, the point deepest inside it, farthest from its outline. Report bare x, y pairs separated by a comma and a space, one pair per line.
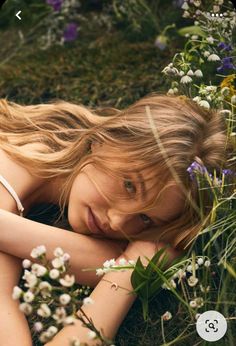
58, 262
204, 104
52, 330
26, 263
186, 79
181, 73
197, 99
54, 273
200, 261
233, 100
170, 92
109, 263
193, 304
225, 91
26, 308
210, 39
30, 278
58, 252
172, 283
44, 310
216, 9
213, 57
207, 263
197, 3
69, 320
206, 53
185, 6
38, 251
67, 281
45, 289
65, 298
75, 342
189, 268
60, 315
38, 269
99, 271
181, 273
91, 335
44, 337
88, 301
197, 316
186, 14
199, 301
122, 262
211, 88
166, 316
17, 292
194, 37
192, 281
66, 257
198, 73
38, 327
225, 112
28, 297
190, 73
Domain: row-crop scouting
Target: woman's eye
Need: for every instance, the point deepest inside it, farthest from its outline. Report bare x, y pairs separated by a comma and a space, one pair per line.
129, 186
146, 219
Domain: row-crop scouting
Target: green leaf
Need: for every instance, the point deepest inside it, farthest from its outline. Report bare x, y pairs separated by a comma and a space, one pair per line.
192, 30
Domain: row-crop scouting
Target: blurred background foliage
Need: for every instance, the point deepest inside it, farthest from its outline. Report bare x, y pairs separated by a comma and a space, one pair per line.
113, 61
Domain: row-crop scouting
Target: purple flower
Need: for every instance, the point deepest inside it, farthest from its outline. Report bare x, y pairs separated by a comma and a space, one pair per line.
196, 167
224, 46
228, 172
56, 4
226, 64
70, 32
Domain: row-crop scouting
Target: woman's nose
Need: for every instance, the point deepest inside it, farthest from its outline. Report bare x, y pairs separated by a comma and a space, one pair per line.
120, 222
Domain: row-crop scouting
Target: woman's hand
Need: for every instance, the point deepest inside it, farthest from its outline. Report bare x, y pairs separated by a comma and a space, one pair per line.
145, 248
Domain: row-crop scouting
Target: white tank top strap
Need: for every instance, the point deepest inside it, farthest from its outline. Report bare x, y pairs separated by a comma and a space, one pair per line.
13, 193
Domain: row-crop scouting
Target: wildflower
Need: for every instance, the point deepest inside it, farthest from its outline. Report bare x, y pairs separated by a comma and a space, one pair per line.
51, 331
207, 263
66, 257
186, 14
192, 281
181, 273
44, 310
227, 172
44, 337
28, 297
216, 9
60, 315
200, 261
197, 316
92, 335
199, 301
122, 262
225, 112
38, 327
26, 308
210, 39
54, 273
206, 54
186, 79
185, 6
170, 70
58, 252
213, 57
69, 320
58, 262
225, 91
189, 267
195, 167
204, 104
17, 292
45, 289
204, 289
26, 263
170, 92
166, 316
99, 272
193, 304
88, 301
38, 269
75, 342
38, 251
67, 281
109, 263
197, 3
65, 299
225, 47
194, 37
190, 73
233, 100
198, 73
226, 64
70, 32
161, 42
30, 278
56, 4
197, 99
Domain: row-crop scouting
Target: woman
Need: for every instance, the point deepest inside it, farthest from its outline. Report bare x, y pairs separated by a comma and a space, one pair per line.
122, 177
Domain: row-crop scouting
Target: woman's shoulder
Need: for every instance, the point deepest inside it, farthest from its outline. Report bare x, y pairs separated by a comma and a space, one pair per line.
19, 178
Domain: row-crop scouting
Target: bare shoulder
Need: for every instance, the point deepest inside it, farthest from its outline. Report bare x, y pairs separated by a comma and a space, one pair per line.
21, 180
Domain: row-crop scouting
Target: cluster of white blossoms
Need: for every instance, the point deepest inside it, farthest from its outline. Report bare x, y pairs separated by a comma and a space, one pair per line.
112, 265
49, 294
209, 46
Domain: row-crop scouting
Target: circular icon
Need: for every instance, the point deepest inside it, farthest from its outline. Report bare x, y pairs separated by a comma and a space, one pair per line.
211, 325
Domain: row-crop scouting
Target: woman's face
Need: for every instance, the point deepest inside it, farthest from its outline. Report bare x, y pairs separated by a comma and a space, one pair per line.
90, 213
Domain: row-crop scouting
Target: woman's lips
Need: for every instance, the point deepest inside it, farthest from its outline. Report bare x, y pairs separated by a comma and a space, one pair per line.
92, 225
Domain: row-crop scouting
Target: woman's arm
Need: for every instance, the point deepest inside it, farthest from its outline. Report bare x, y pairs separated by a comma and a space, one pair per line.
18, 236
110, 305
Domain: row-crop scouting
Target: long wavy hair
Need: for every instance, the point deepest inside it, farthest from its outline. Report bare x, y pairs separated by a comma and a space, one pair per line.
165, 133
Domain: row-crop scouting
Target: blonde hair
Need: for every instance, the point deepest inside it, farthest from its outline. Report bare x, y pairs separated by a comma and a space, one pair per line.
166, 133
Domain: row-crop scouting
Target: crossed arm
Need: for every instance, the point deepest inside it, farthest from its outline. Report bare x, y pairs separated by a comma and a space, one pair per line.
18, 236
